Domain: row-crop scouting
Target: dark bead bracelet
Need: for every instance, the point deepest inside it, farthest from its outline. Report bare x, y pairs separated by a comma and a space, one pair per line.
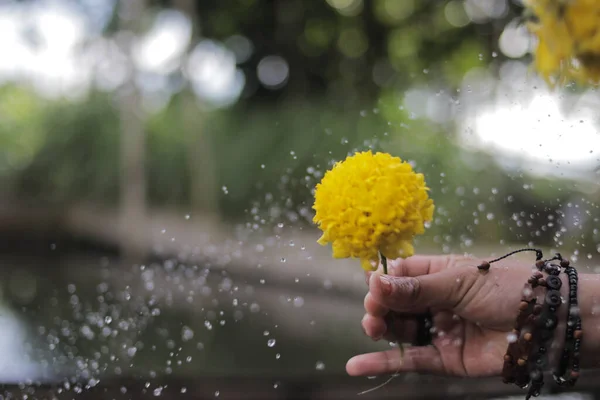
573, 336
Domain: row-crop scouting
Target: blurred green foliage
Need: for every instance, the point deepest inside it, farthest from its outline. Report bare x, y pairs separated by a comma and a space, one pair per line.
349, 70
340, 45
272, 158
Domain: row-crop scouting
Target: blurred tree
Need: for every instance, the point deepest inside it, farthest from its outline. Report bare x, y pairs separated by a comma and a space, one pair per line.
132, 147
349, 49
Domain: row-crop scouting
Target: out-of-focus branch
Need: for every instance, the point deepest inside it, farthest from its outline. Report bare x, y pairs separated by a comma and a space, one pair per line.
203, 185
132, 145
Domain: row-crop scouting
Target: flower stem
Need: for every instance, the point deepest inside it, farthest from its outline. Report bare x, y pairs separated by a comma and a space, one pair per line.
385, 271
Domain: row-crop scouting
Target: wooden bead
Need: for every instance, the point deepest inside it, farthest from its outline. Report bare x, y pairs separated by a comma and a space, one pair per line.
484, 266
533, 282
537, 275
578, 334
537, 309
542, 282
528, 336
564, 263
521, 362
540, 264
523, 305
507, 358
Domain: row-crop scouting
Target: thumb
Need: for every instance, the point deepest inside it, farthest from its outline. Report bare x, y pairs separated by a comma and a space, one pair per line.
441, 290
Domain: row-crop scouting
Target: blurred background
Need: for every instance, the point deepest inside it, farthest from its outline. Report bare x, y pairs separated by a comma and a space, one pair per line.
157, 166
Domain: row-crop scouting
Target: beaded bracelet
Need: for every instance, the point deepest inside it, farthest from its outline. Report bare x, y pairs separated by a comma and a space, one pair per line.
573, 335
535, 325
546, 324
515, 360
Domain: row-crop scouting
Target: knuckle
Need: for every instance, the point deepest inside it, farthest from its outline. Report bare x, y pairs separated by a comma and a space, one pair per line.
408, 289
398, 267
415, 290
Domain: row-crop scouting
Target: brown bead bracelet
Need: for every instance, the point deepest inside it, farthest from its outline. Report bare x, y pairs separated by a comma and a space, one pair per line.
515, 360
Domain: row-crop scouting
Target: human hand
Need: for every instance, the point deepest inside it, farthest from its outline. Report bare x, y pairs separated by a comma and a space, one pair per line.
473, 313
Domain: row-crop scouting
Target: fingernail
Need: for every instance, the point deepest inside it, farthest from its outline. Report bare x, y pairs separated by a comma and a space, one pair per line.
386, 285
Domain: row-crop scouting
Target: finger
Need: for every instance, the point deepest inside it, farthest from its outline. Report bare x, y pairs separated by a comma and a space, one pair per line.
374, 307
412, 266
392, 328
374, 327
443, 290
416, 359
416, 265
421, 265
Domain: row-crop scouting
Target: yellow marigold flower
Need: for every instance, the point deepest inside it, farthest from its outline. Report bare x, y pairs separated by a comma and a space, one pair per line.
370, 204
568, 40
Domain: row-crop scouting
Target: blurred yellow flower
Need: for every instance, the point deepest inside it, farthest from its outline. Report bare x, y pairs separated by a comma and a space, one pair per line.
370, 204
568, 40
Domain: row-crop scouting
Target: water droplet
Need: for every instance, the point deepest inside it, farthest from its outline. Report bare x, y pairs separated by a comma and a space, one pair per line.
183, 390
298, 302
187, 333
271, 342
283, 259
158, 391
320, 366
225, 190
277, 356
511, 338
208, 325
187, 216
217, 393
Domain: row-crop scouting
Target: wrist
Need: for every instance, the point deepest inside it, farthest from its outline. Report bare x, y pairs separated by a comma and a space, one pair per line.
589, 308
